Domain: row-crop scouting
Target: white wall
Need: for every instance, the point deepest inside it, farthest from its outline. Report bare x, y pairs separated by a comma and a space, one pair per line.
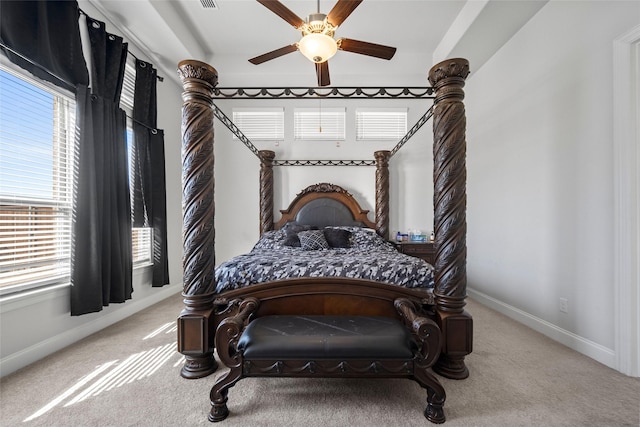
540, 174
35, 325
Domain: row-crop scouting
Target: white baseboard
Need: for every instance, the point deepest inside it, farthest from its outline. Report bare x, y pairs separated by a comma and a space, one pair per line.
25, 357
600, 353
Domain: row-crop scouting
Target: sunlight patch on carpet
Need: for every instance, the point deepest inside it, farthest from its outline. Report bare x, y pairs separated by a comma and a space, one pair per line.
167, 328
84, 380
113, 374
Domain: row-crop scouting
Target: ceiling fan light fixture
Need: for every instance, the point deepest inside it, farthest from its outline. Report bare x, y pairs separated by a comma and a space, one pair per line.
318, 47
317, 43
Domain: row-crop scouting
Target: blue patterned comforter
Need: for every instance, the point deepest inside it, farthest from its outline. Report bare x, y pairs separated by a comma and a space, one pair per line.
369, 257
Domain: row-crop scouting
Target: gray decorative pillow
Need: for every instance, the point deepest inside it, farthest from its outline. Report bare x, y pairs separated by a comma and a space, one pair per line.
337, 237
291, 230
293, 227
292, 240
363, 238
312, 240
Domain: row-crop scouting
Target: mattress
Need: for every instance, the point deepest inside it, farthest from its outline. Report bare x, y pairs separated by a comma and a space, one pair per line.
366, 256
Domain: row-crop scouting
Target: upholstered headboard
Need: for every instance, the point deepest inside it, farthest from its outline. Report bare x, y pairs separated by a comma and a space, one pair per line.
325, 204
324, 211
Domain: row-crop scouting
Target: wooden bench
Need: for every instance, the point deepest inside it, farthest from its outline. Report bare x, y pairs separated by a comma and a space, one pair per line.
332, 346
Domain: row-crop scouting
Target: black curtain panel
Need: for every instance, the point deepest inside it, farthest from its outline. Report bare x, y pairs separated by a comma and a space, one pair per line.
101, 253
144, 116
43, 37
159, 214
148, 163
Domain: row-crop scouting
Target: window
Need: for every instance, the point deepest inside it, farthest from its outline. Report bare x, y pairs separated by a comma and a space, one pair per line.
381, 124
265, 124
37, 124
140, 236
36, 174
319, 124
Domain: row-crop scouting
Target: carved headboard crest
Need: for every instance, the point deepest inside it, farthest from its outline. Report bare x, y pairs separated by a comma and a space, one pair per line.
324, 187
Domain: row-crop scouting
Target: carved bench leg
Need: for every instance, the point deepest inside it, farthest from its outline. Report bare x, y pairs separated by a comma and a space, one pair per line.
226, 340
434, 411
436, 395
219, 393
428, 335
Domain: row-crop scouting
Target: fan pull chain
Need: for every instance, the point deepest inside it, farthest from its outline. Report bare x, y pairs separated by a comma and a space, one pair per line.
320, 108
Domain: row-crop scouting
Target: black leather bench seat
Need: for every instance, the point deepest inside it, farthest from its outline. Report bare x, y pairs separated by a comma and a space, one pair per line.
328, 346
326, 337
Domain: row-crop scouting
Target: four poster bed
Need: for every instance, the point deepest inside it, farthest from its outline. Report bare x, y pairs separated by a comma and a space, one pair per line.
361, 274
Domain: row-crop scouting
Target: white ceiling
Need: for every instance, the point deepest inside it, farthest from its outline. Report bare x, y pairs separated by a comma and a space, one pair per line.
423, 31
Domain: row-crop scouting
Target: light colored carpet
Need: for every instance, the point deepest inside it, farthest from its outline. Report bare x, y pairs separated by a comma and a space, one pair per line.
127, 376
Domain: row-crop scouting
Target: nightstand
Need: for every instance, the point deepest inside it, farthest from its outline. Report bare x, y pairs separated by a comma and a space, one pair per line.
424, 250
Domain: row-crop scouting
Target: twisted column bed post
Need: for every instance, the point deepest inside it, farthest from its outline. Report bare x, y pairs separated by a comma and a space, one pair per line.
382, 192
198, 210
449, 178
266, 190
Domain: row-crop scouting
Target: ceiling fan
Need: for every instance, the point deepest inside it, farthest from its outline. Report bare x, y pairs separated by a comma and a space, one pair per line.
317, 42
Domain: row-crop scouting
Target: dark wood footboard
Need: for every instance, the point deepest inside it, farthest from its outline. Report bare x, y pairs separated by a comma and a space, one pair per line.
325, 296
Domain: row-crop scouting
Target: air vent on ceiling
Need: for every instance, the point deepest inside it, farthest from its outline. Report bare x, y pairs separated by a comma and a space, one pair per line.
209, 4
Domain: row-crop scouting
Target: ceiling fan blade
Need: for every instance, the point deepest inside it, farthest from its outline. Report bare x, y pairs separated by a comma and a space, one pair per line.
341, 10
322, 71
366, 48
273, 54
282, 11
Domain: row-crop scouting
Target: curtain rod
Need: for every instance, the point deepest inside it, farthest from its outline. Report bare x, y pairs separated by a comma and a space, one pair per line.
4, 46
160, 78
30, 61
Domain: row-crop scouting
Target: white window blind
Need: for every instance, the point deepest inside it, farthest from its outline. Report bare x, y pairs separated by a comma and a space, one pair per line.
265, 124
319, 123
381, 124
140, 236
141, 245
36, 161
128, 88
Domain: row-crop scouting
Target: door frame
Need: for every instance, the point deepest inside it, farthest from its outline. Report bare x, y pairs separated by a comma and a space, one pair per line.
626, 143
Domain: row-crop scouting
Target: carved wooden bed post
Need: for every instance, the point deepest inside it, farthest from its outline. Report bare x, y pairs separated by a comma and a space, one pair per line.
449, 178
382, 192
266, 190
198, 209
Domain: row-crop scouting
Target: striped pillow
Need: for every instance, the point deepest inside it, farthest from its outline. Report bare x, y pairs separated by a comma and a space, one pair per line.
312, 240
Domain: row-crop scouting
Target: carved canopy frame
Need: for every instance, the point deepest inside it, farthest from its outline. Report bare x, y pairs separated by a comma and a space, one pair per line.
449, 179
